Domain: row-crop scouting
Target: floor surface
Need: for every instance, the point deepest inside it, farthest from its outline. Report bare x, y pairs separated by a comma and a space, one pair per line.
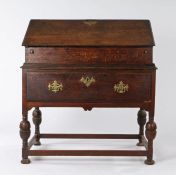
10, 159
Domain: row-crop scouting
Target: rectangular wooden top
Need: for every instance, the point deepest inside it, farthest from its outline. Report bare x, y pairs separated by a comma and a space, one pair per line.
89, 33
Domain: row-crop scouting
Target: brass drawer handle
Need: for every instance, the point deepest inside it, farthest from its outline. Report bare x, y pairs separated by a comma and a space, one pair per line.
87, 81
55, 86
121, 87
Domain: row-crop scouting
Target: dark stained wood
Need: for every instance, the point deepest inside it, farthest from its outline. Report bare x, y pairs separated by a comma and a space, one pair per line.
91, 136
141, 121
87, 105
139, 86
79, 33
89, 55
25, 134
72, 52
87, 153
37, 119
51, 67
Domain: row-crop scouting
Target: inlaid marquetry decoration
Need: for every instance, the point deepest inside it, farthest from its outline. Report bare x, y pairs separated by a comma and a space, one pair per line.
55, 86
90, 22
121, 87
87, 81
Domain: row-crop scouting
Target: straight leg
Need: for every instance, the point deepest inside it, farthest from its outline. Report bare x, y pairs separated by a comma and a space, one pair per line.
37, 118
25, 134
150, 135
141, 121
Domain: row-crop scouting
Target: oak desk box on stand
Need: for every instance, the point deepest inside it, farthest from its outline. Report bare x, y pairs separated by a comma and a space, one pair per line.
88, 64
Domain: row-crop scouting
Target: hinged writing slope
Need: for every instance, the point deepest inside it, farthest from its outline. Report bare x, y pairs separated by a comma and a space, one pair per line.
89, 33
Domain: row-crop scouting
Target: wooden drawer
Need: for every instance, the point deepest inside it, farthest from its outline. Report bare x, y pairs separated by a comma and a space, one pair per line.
89, 55
88, 86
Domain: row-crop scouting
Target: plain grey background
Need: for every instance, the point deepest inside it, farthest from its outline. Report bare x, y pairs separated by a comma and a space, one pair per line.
14, 18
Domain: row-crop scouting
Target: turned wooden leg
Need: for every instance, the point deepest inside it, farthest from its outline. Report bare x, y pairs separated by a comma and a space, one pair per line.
150, 135
141, 121
25, 134
37, 121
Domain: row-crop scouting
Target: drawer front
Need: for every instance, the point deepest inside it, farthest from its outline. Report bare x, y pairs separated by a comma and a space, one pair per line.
88, 86
89, 55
